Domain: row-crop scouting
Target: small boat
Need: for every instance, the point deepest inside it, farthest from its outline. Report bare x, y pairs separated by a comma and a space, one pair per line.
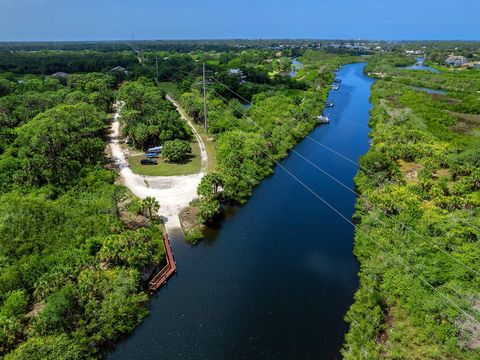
334, 87
323, 119
155, 149
337, 81
329, 104
151, 155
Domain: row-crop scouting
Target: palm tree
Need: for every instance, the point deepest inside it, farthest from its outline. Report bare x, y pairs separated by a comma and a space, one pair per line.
151, 205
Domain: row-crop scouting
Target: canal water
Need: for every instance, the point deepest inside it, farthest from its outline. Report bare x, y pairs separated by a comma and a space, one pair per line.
277, 277
419, 66
429, 91
296, 65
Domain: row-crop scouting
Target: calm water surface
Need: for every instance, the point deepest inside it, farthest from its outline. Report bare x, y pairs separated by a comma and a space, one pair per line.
429, 91
275, 280
419, 66
296, 65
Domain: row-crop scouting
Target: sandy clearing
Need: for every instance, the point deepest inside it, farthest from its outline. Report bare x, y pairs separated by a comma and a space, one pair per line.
172, 192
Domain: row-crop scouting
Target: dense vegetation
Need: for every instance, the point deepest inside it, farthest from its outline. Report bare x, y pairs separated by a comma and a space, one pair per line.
74, 247
149, 119
176, 150
418, 235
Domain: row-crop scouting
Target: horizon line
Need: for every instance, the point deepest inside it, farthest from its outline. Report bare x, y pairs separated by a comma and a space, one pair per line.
241, 39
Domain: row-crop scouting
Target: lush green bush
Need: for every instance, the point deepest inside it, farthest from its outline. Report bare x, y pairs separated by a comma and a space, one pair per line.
176, 150
148, 118
193, 236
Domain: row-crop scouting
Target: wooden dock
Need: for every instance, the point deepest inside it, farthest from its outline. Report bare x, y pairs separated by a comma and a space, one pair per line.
161, 278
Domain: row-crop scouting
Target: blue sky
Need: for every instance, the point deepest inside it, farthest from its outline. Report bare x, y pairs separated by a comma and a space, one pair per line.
202, 19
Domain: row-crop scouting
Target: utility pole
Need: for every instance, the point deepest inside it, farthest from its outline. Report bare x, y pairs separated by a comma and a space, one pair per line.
205, 99
156, 65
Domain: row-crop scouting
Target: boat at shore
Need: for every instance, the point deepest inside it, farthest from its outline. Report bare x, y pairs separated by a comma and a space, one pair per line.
329, 104
334, 87
323, 119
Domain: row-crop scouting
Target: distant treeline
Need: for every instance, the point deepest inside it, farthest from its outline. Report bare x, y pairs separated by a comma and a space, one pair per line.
49, 62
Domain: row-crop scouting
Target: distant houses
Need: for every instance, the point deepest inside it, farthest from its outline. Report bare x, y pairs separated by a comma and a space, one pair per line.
414, 52
454, 60
235, 72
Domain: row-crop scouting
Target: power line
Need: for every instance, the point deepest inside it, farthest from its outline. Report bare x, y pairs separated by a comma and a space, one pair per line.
330, 149
344, 157
396, 258
205, 100
361, 230
356, 193
336, 152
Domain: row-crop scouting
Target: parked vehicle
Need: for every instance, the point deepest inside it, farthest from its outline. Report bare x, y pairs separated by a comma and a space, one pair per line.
155, 149
148, 162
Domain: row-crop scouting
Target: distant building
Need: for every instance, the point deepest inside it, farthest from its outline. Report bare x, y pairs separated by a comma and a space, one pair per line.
237, 73
60, 75
414, 52
473, 64
119, 69
454, 60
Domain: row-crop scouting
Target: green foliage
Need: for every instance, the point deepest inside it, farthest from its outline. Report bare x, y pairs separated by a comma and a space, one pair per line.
209, 208
151, 206
71, 273
210, 185
59, 347
52, 61
193, 236
55, 145
409, 214
378, 167
14, 304
11, 315
176, 150
148, 118
55, 315
135, 249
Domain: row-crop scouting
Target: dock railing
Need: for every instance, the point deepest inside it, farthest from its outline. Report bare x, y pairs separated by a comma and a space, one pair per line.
162, 276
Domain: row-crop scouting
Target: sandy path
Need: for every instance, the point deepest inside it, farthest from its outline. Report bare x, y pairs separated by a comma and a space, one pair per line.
172, 192
203, 151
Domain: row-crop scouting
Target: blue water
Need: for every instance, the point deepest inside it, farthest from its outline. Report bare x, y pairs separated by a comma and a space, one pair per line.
419, 66
296, 65
246, 106
276, 279
429, 91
